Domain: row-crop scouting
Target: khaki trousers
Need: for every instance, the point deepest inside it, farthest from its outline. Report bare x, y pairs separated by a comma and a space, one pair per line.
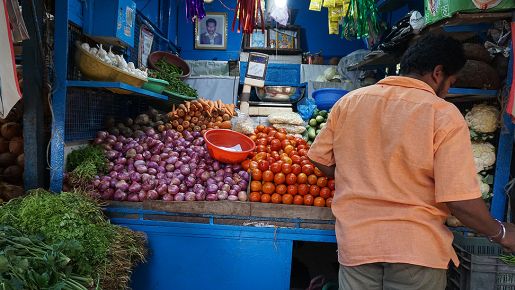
391, 276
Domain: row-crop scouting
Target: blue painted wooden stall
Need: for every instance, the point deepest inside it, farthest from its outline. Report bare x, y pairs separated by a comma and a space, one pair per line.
189, 255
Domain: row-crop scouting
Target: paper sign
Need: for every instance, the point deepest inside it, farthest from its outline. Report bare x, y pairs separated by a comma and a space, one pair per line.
236, 148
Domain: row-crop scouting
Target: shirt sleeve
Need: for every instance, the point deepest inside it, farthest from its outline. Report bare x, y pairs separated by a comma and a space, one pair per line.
454, 169
321, 151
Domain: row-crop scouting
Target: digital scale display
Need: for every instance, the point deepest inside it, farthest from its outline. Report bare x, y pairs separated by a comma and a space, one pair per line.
256, 68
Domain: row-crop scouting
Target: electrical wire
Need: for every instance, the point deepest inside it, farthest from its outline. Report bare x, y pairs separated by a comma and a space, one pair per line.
225, 6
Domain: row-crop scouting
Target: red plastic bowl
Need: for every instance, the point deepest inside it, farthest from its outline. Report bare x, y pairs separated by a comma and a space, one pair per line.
170, 58
217, 138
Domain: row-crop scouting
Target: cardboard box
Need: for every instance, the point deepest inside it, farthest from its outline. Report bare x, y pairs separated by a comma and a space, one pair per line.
436, 10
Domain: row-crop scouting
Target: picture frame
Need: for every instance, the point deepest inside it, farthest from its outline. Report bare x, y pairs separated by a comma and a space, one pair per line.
211, 31
283, 38
258, 39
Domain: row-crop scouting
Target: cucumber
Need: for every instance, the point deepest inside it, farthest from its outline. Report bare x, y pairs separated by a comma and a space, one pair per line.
323, 113
311, 133
313, 123
315, 112
319, 119
322, 125
318, 131
310, 142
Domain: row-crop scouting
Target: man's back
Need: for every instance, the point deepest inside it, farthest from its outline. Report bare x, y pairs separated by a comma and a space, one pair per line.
386, 141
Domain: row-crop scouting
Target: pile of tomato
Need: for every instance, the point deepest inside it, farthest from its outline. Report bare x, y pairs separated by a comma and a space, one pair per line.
281, 172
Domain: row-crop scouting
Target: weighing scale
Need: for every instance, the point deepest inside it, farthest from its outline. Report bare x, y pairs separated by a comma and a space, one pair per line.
255, 77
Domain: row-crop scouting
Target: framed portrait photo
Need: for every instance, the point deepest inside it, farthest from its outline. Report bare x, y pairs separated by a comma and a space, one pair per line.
258, 39
211, 31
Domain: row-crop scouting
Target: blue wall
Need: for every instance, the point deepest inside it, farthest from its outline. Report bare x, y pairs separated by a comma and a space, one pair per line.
314, 36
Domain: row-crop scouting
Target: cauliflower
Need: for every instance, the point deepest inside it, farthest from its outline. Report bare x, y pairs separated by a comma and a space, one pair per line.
330, 73
483, 118
484, 187
484, 155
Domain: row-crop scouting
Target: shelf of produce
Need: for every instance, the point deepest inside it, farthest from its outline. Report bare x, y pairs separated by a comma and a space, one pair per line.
469, 19
116, 85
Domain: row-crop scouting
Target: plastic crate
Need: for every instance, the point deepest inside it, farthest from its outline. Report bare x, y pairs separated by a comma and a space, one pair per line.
480, 267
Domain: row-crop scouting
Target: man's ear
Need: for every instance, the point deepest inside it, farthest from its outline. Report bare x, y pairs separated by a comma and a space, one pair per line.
438, 73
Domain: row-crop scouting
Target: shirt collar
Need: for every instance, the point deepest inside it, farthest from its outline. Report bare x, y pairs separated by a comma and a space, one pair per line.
406, 82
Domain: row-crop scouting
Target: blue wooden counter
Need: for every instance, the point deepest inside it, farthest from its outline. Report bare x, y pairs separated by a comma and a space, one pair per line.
230, 246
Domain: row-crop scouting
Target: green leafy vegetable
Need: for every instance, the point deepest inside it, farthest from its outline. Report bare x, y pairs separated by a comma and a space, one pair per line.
171, 74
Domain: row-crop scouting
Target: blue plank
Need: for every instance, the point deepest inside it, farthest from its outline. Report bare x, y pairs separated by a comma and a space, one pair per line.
277, 74
504, 154
75, 11
116, 85
59, 95
467, 28
478, 92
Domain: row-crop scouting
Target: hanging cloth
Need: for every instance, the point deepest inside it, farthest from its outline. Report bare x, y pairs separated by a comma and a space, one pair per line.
10, 92
510, 109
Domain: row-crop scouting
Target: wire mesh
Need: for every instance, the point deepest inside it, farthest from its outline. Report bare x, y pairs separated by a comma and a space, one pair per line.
87, 110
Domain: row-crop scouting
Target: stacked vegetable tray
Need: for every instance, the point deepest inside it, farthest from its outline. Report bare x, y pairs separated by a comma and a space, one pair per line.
315, 125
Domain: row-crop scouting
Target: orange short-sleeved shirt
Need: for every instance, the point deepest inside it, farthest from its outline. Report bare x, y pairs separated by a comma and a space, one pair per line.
401, 152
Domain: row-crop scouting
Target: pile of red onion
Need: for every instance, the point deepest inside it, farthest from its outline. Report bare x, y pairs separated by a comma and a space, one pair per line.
166, 166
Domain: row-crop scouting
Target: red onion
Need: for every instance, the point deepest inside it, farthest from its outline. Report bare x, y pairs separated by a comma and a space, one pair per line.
179, 196
160, 175
171, 160
211, 188
178, 164
190, 181
168, 197
232, 198
124, 176
175, 181
161, 169
135, 187
139, 149
111, 155
222, 195
173, 189
118, 167
243, 184
133, 197
141, 169
152, 194
190, 196
201, 195
138, 157
225, 187
236, 187
161, 163
229, 181
139, 162
169, 175
211, 197
183, 187
233, 192
242, 196
155, 158
142, 195
107, 194
185, 169
119, 195
152, 171
122, 185
104, 185
220, 184
131, 153
98, 141
161, 189
169, 167
147, 155
152, 164
216, 165
118, 146
102, 134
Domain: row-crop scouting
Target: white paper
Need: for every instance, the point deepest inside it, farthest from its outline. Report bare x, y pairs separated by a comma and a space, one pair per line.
9, 90
236, 148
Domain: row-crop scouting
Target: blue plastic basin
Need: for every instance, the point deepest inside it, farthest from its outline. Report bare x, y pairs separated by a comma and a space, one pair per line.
326, 98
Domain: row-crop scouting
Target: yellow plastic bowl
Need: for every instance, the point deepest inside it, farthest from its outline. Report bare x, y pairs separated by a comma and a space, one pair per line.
94, 69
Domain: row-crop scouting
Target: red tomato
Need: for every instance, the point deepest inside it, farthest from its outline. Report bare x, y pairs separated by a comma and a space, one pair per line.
329, 202
253, 137
255, 186
331, 184
308, 199
302, 152
288, 149
269, 139
305, 161
320, 202
302, 178
260, 156
260, 128
267, 130
303, 189
276, 198
332, 193
275, 155
255, 196
286, 159
253, 165
287, 198
263, 165
281, 189
285, 143
246, 165
314, 190
298, 200
268, 176
293, 153
280, 136
308, 169
312, 179
291, 179
279, 178
257, 175
296, 169
286, 168
261, 136
295, 159
275, 145
318, 172
265, 197
261, 148
325, 192
268, 187
271, 133
322, 181
292, 189
276, 167
301, 146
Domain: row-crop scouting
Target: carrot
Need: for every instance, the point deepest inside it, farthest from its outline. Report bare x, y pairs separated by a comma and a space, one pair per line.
219, 119
188, 105
226, 125
173, 108
183, 107
220, 104
226, 117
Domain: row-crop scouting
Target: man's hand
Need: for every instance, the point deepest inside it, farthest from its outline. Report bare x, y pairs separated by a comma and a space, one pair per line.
508, 242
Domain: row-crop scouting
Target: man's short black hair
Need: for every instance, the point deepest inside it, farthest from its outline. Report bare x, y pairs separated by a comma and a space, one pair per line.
432, 50
210, 20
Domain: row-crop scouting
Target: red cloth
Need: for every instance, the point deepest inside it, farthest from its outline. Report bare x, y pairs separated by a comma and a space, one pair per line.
510, 108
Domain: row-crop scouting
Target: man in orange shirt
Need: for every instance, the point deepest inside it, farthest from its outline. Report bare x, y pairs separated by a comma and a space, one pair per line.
402, 160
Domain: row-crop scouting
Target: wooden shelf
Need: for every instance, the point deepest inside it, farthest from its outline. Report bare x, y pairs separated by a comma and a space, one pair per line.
458, 95
280, 51
117, 85
380, 60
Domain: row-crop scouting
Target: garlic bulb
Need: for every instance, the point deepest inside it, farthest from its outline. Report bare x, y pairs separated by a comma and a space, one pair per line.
112, 56
85, 46
93, 51
131, 65
102, 54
